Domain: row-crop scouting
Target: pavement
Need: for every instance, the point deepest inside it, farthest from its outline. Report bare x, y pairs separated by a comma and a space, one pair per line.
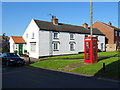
32, 77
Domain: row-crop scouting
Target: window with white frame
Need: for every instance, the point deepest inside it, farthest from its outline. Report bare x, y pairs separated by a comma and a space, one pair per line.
27, 36
33, 36
72, 37
16, 46
13, 46
72, 46
33, 47
56, 35
56, 46
115, 33
86, 35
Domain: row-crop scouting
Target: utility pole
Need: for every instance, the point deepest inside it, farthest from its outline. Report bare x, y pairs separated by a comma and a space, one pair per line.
90, 43
91, 17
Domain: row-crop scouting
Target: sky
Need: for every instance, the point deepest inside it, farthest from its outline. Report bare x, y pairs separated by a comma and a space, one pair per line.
16, 16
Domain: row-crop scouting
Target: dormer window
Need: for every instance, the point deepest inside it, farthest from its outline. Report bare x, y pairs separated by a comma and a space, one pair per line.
72, 37
56, 36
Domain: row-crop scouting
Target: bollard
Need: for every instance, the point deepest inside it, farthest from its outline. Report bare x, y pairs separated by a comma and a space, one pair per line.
103, 66
29, 60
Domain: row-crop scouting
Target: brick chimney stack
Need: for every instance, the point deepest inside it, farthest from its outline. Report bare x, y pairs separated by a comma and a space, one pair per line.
85, 25
54, 20
110, 23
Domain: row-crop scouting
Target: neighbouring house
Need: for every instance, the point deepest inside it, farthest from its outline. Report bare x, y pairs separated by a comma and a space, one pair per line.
17, 44
4, 43
112, 35
43, 38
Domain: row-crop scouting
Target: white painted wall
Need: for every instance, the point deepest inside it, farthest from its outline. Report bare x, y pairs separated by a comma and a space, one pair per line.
14, 46
32, 28
11, 44
44, 44
64, 47
44, 41
101, 39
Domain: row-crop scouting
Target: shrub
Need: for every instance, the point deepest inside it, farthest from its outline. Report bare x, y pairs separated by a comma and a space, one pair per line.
25, 51
118, 47
5, 49
16, 51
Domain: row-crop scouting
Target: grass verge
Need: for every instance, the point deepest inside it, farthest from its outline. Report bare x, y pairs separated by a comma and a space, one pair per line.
111, 71
100, 54
55, 64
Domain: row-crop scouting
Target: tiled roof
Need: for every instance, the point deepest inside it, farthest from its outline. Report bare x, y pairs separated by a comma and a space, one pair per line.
112, 26
18, 39
43, 25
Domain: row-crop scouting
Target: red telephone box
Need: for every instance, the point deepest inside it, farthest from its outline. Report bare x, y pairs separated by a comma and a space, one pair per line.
90, 49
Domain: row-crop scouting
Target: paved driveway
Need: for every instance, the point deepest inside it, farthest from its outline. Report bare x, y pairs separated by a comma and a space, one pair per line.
31, 77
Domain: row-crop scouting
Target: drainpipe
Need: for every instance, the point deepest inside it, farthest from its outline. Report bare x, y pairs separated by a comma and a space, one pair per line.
50, 44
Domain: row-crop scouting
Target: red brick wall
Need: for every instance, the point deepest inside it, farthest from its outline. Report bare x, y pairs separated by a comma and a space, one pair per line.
109, 32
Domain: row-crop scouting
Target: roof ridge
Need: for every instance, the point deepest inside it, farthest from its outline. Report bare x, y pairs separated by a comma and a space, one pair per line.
16, 36
41, 21
59, 23
111, 26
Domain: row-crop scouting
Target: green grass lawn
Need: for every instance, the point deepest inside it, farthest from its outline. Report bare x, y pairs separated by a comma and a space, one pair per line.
100, 54
55, 64
112, 68
112, 64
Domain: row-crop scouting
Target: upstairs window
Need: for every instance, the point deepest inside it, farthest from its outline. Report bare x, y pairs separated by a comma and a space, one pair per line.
72, 37
115, 33
27, 36
56, 35
33, 36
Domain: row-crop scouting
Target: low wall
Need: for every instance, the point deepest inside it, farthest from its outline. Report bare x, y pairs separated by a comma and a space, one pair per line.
111, 47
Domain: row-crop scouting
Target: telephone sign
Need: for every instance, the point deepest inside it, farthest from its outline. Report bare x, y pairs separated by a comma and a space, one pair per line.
90, 49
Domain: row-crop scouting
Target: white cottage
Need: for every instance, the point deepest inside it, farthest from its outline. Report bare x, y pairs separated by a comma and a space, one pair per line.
52, 38
17, 43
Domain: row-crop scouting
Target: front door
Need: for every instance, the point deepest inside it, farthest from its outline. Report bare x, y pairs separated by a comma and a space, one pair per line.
20, 49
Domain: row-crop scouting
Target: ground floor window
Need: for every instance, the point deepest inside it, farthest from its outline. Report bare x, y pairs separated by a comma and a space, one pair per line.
33, 47
72, 46
16, 46
56, 46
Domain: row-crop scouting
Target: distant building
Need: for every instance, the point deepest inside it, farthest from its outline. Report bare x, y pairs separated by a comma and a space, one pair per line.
4, 43
112, 35
43, 38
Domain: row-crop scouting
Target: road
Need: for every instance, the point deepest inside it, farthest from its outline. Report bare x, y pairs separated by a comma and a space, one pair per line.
31, 77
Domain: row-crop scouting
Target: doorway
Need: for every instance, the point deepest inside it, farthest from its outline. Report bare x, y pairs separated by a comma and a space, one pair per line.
20, 49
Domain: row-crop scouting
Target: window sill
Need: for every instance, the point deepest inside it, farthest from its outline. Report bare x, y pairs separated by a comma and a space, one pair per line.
72, 39
72, 50
55, 50
55, 38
